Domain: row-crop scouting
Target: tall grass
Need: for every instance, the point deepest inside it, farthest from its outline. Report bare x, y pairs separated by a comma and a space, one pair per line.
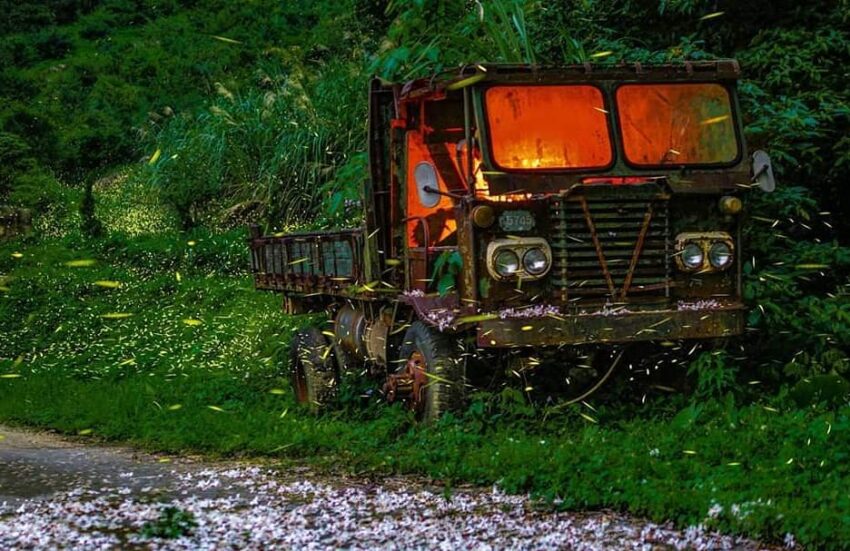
274, 147
429, 36
504, 24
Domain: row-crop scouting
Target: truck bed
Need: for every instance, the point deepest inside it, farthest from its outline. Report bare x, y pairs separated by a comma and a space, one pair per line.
326, 262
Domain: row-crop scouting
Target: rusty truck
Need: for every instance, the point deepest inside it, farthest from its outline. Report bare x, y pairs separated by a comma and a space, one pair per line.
520, 213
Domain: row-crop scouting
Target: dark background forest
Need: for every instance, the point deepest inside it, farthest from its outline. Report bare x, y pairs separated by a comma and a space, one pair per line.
144, 135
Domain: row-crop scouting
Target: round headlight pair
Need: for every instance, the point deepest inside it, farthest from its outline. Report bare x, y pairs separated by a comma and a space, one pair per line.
719, 255
534, 262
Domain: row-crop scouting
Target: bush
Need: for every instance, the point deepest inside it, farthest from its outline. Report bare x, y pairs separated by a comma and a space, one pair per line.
36, 190
15, 159
280, 147
52, 43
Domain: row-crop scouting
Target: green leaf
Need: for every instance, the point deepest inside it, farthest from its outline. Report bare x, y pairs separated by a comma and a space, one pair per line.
446, 284
484, 287
455, 262
336, 202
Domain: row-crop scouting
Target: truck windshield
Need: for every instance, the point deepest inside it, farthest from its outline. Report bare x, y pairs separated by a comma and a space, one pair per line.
678, 124
548, 127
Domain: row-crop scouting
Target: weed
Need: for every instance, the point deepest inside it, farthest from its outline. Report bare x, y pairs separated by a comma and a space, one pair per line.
715, 374
172, 523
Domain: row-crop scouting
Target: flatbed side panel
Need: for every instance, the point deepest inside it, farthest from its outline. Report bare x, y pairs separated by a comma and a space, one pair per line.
328, 262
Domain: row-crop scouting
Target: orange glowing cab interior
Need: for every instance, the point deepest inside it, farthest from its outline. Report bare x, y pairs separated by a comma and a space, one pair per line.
548, 127
677, 124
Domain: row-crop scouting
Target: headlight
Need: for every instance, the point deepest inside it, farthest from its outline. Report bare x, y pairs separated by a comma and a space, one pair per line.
692, 256
535, 261
506, 263
524, 258
720, 255
704, 251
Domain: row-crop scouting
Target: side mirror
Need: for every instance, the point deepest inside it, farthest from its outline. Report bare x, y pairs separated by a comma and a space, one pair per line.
425, 177
763, 171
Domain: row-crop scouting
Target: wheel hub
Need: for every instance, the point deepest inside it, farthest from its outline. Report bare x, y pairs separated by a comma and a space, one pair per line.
408, 384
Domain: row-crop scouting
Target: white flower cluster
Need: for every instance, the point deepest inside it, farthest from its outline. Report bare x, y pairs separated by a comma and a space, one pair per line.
706, 304
537, 311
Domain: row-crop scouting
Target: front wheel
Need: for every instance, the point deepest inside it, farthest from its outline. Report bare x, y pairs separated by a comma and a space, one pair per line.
431, 377
312, 371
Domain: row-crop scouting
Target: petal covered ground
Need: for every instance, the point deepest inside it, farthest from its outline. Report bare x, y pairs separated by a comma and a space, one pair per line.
103, 498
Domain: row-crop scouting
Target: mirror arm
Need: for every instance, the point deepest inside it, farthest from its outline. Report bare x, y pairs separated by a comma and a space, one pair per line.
759, 173
454, 196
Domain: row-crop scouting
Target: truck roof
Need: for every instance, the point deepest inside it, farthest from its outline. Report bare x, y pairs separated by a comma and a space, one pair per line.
452, 79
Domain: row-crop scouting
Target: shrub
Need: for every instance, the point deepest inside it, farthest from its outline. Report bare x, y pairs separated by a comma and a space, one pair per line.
15, 159
52, 43
37, 190
280, 147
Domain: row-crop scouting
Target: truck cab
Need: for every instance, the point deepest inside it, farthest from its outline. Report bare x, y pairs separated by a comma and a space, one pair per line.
514, 208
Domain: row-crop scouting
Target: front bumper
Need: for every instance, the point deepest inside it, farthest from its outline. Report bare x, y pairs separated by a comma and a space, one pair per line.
616, 327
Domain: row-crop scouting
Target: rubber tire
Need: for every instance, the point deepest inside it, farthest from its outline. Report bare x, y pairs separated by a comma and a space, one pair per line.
447, 392
312, 364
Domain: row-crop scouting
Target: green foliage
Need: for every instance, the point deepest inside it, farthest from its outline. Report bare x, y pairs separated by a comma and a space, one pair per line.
83, 83
37, 190
278, 145
15, 159
155, 284
432, 35
173, 522
797, 282
22, 181
447, 267
784, 468
342, 196
715, 374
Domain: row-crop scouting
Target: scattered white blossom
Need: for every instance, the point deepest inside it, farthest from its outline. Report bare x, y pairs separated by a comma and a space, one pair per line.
706, 304
536, 311
258, 508
441, 317
715, 510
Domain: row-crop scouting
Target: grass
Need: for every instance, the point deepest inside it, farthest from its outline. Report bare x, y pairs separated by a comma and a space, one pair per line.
197, 366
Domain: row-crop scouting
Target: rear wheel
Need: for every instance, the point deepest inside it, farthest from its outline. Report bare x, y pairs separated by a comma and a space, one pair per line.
431, 377
312, 370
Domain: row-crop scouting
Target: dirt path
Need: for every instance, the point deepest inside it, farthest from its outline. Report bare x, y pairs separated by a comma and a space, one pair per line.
58, 493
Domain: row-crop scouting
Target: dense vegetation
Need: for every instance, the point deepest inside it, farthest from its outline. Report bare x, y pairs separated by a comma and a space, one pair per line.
174, 122
166, 344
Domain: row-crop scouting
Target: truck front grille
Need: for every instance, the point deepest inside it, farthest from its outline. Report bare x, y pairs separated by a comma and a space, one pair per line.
611, 242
